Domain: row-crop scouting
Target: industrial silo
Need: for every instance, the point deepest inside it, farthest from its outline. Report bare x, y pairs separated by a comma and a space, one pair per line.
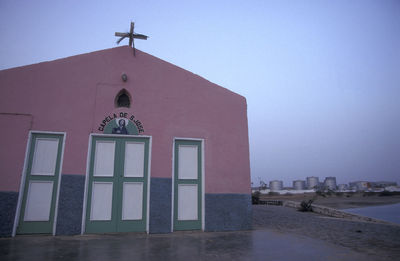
312, 182
299, 184
275, 185
330, 183
343, 187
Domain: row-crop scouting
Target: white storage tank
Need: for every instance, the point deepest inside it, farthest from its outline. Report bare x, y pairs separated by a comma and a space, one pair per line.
299, 184
276, 185
330, 183
343, 187
312, 182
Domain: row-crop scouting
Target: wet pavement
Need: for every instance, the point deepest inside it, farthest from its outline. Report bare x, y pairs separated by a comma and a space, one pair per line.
259, 244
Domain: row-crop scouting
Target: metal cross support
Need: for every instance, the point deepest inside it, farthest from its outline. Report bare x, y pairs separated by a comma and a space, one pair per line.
131, 36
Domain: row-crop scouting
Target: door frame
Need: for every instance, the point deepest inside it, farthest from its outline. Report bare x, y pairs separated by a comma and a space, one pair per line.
202, 180
85, 196
23, 179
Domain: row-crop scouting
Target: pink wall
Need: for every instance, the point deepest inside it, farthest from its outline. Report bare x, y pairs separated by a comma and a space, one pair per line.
13, 140
76, 93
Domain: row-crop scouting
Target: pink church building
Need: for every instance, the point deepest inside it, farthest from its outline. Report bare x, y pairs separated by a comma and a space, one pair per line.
111, 142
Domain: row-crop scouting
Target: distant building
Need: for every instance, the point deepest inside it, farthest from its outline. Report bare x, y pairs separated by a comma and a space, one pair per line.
299, 184
343, 187
312, 182
360, 185
275, 185
383, 184
330, 183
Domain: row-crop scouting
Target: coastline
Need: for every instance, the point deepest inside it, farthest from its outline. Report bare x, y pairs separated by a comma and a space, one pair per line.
378, 240
338, 200
389, 213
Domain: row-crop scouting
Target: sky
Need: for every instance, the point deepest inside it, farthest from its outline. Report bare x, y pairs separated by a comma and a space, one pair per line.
321, 78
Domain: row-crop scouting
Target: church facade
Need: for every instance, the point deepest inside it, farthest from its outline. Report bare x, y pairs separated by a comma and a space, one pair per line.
111, 142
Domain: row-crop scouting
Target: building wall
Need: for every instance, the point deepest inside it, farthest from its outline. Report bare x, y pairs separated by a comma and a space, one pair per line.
13, 139
75, 94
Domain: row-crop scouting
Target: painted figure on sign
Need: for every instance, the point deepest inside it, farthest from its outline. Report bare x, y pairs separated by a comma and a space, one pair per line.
121, 129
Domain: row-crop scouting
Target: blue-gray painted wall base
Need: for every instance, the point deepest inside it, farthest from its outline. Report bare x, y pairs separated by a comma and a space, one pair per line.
224, 212
160, 205
70, 204
8, 205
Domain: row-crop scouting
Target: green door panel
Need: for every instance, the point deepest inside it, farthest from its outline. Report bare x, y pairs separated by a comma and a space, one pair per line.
196, 223
116, 222
26, 226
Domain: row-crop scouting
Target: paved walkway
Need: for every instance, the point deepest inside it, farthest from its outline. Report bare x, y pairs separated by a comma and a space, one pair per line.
279, 233
243, 245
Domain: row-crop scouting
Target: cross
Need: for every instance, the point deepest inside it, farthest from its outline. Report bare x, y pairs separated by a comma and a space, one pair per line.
131, 36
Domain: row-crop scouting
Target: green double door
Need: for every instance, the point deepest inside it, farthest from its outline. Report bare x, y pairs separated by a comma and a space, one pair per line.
117, 187
39, 194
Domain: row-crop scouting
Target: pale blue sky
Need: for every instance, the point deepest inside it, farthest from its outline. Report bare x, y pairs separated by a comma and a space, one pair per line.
321, 78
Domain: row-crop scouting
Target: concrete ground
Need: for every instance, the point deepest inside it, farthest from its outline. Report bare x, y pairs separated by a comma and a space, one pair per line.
279, 233
257, 244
